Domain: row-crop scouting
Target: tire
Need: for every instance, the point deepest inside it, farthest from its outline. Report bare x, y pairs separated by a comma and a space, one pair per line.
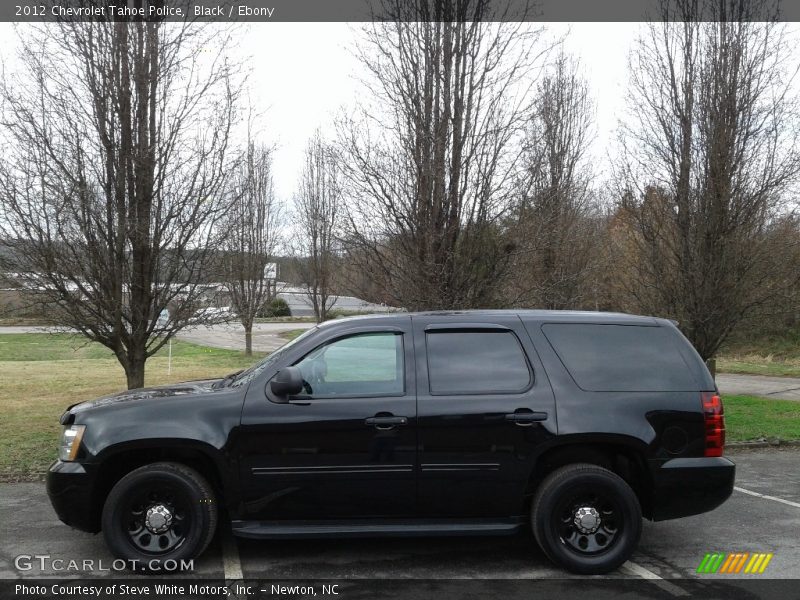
586, 519
157, 514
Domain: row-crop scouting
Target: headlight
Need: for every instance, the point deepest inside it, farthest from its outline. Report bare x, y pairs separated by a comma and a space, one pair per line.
70, 442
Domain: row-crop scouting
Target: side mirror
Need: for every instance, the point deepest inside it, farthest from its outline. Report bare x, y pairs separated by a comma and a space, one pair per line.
287, 382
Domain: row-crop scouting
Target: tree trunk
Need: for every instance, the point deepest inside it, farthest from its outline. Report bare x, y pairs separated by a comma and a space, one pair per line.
319, 310
134, 372
711, 363
248, 340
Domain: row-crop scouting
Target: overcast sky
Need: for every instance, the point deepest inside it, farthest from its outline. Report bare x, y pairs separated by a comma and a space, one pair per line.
303, 73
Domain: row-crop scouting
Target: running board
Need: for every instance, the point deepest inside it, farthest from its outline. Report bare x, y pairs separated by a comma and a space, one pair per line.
275, 530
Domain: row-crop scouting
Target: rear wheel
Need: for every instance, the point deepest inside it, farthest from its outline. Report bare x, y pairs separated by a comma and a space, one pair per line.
158, 514
586, 519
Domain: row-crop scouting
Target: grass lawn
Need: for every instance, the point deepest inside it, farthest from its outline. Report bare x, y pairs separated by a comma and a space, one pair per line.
42, 374
285, 320
751, 418
754, 364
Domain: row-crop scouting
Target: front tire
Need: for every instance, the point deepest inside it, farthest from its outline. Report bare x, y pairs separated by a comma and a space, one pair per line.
586, 519
158, 514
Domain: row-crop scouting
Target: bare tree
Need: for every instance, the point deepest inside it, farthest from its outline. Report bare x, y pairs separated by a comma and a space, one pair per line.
430, 157
709, 154
556, 225
250, 236
115, 141
318, 204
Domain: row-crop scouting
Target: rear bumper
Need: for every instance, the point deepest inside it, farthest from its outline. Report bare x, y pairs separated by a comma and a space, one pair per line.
690, 486
70, 488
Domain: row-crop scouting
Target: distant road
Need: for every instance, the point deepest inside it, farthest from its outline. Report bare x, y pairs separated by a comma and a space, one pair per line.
266, 336
783, 388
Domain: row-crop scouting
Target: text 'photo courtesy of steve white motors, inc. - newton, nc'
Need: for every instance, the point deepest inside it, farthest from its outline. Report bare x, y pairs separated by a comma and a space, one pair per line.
167, 589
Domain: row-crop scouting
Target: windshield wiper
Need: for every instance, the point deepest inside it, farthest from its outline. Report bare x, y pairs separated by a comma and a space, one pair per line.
230, 378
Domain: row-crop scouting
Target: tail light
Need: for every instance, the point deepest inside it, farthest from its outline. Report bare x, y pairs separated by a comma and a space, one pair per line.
714, 418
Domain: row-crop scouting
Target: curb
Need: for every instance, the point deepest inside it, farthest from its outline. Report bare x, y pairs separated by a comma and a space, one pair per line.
774, 443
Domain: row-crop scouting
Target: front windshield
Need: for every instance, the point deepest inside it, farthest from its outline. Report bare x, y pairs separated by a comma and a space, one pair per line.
253, 371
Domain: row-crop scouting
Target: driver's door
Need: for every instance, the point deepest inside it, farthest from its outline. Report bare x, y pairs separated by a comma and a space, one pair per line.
344, 448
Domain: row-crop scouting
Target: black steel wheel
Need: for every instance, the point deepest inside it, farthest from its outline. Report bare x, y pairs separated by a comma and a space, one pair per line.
586, 519
158, 515
588, 522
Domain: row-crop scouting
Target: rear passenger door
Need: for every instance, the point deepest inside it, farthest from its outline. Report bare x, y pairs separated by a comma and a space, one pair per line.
484, 405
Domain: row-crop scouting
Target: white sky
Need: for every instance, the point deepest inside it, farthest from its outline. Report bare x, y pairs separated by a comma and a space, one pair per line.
303, 74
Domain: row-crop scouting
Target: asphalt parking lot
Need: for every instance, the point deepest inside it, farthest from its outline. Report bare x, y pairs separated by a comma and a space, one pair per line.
763, 515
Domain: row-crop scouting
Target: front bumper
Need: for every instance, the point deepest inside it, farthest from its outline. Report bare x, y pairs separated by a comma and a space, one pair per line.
690, 486
70, 488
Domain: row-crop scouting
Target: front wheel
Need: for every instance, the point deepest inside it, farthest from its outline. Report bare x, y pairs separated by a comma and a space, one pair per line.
586, 519
159, 515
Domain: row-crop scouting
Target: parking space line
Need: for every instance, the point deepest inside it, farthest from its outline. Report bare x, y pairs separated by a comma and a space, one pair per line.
639, 571
757, 495
231, 565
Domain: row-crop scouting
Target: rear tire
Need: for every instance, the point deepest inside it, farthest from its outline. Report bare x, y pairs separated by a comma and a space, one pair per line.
157, 514
586, 519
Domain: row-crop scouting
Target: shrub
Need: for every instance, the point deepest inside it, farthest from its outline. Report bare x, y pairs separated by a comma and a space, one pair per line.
277, 308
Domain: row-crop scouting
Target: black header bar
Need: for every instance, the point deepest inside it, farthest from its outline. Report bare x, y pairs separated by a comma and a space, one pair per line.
381, 10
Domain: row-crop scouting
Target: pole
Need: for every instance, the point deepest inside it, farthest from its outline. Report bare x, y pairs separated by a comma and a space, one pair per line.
169, 360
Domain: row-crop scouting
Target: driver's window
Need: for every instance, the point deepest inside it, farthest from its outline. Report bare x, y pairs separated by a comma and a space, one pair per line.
365, 364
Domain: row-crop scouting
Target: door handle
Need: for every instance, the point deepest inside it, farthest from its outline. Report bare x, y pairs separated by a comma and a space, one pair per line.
387, 422
526, 418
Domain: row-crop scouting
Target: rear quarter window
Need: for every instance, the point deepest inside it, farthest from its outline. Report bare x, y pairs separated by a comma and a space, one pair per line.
620, 358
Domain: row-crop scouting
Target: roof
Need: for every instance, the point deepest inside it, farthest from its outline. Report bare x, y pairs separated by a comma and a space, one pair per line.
576, 316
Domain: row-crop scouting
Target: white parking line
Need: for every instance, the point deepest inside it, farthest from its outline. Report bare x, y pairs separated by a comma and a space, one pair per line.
231, 566
639, 571
757, 495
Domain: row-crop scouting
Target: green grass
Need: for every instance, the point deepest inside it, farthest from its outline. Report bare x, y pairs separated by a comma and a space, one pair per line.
285, 320
42, 374
758, 365
751, 418
65, 346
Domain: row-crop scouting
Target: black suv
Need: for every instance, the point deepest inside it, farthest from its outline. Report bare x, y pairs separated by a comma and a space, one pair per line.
442, 423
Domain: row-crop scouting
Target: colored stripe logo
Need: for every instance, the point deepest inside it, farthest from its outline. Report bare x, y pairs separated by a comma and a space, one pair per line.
735, 562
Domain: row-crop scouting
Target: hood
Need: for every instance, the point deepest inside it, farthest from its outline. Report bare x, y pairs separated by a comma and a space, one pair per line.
144, 394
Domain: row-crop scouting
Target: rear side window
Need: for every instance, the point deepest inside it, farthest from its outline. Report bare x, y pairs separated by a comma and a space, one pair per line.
620, 358
468, 362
